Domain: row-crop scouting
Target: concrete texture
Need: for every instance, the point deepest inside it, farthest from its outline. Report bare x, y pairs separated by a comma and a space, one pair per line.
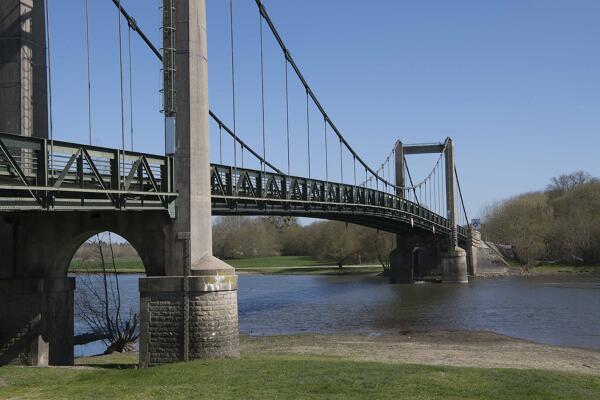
37, 321
454, 266
192, 156
23, 83
472, 248
490, 260
192, 313
37, 299
47, 241
401, 265
180, 325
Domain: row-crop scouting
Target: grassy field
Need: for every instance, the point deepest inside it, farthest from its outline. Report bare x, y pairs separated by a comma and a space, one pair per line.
124, 265
556, 269
277, 262
259, 265
293, 377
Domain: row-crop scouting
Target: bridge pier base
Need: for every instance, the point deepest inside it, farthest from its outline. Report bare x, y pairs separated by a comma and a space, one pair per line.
186, 318
454, 266
401, 263
473, 241
36, 321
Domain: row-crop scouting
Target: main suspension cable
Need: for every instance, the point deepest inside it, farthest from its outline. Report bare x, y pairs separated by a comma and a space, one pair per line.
159, 56
462, 201
291, 61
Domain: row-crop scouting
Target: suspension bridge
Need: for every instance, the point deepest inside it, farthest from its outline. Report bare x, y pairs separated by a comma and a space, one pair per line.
54, 195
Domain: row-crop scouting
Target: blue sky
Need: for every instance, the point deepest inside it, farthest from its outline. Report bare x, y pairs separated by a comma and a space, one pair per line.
516, 84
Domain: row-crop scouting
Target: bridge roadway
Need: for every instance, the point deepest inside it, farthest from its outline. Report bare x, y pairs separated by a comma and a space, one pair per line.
43, 175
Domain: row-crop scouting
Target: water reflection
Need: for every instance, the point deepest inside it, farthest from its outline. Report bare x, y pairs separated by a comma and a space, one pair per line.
562, 311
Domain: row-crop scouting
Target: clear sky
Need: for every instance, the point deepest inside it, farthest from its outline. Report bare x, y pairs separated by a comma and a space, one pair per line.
515, 83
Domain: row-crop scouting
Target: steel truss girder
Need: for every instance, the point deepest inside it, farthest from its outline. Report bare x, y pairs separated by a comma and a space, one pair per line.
291, 195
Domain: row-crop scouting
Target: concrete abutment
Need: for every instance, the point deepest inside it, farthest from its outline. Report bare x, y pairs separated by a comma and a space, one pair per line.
36, 321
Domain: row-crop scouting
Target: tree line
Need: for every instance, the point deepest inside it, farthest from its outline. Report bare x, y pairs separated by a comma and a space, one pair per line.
331, 241
559, 223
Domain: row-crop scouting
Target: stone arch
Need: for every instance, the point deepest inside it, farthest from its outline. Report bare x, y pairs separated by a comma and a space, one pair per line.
48, 241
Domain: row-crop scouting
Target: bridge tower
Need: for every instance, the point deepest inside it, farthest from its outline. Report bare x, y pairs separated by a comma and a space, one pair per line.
23, 98
199, 291
447, 256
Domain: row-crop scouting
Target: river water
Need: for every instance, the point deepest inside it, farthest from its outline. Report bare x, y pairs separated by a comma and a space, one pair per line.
553, 310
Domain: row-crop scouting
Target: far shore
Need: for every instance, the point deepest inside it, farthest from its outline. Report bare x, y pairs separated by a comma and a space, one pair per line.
304, 265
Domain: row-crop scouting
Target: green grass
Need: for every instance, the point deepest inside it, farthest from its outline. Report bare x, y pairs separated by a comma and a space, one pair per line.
547, 269
260, 265
277, 262
124, 265
293, 377
295, 265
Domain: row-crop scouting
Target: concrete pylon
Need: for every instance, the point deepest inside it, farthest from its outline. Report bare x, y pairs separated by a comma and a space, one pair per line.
23, 82
401, 258
196, 303
454, 260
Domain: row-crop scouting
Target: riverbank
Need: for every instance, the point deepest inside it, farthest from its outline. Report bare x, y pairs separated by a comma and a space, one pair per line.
444, 365
305, 265
562, 269
293, 265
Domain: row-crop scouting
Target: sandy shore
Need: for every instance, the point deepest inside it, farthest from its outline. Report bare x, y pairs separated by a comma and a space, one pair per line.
464, 349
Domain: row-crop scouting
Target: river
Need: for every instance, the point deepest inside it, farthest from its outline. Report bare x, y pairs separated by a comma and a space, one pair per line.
563, 310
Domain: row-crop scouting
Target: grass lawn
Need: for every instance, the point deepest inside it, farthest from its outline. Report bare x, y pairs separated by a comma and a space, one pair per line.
277, 262
554, 269
124, 265
293, 377
262, 265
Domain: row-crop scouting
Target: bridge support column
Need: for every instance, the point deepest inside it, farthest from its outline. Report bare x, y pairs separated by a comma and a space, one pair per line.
402, 262
473, 241
454, 266
184, 318
192, 312
454, 261
36, 321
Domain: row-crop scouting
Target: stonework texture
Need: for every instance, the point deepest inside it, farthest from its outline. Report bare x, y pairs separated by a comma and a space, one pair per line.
211, 323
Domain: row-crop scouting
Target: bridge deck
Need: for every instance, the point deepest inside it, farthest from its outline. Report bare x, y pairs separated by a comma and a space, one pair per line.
38, 174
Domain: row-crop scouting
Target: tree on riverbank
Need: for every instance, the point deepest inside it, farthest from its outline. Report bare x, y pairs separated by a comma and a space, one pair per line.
243, 237
99, 303
560, 223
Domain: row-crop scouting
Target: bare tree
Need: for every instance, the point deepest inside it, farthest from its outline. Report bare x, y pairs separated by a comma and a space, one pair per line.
99, 304
567, 182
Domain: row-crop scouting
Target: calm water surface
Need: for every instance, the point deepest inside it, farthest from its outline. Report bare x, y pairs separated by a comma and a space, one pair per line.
554, 310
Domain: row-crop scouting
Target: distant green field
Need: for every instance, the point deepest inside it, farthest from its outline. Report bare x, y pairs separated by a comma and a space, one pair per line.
565, 269
292, 377
262, 265
277, 262
124, 265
